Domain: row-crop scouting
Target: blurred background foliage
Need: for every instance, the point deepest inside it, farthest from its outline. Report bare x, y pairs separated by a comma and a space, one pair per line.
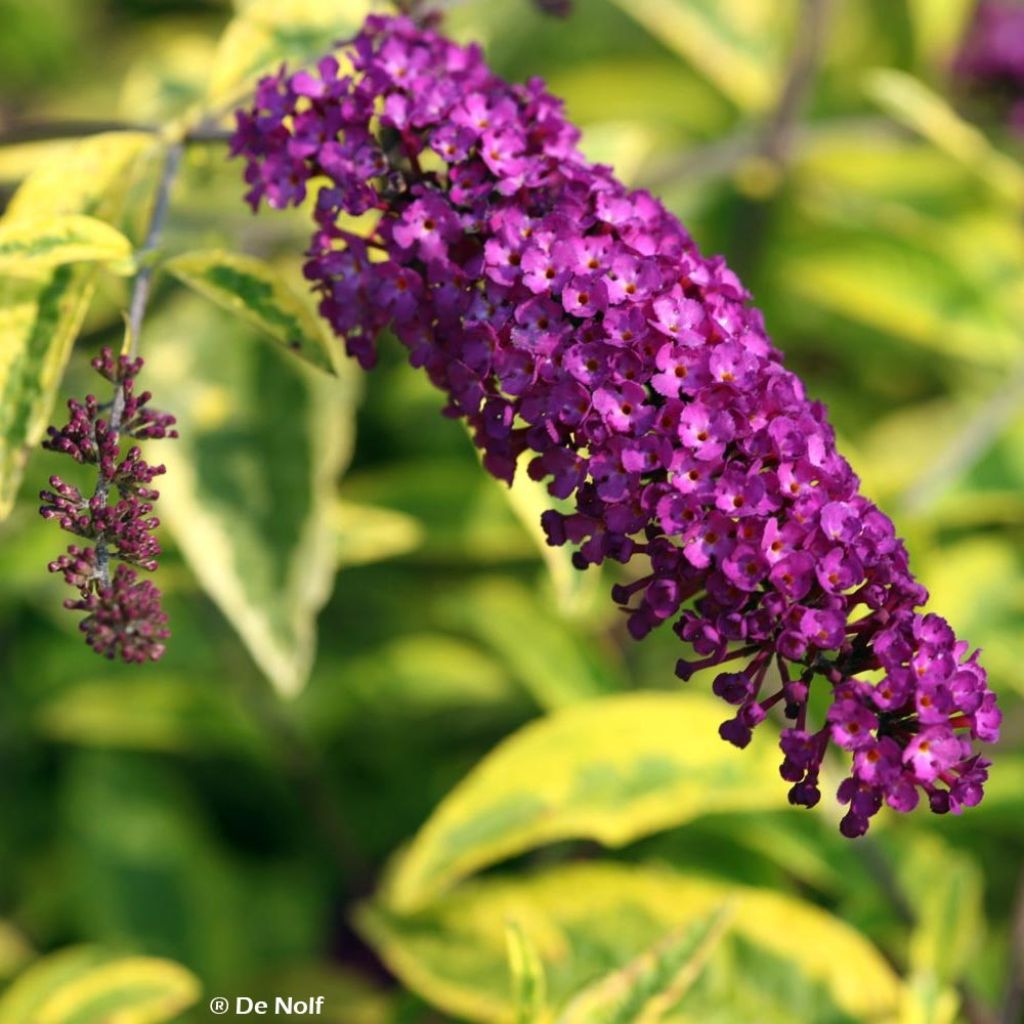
302, 797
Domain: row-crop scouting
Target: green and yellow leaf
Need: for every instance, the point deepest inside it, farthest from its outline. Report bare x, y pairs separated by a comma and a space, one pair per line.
783, 959
39, 318
30, 246
88, 179
926, 1001
255, 291
415, 675
267, 32
368, 533
905, 292
87, 986
945, 888
529, 984
938, 28
249, 489
167, 713
650, 987
574, 591
912, 103
557, 667
735, 44
461, 511
38, 325
610, 769
14, 950
19, 159
988, 611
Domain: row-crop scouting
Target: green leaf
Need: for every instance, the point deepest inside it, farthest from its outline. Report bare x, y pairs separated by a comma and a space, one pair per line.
249, 486
28, 246
87, 179
613, 770
938, 28
367, 534
462, 512
416, 675
255, 291
988, 610
649, 987
574, 590
901, 447
142, 867
40, 318
14, 950
268, 32
903, 291
87, 986
946, 889
784, 960
735, 44
166, 713
38, 325
658, 92
168, 74
927, 1002
529, 985
879, 166
20, 159
349, 998
913, 104
556, 666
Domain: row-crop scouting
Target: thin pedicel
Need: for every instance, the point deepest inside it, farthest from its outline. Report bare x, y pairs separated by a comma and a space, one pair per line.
567, 316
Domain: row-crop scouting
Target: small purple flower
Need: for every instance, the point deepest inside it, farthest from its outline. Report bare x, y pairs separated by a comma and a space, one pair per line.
568, 317
123, 616
853, 725
931, 752
793, 575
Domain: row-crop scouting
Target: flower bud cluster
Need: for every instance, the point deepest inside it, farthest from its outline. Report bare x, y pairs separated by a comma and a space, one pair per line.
567, 316
122, 614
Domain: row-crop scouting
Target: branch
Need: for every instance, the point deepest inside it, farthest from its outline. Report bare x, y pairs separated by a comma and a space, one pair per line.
304, 768
772, 145
778, 138
144, 278
968, 446
723, 156
880, 869
136, 312
47, 131
44, 131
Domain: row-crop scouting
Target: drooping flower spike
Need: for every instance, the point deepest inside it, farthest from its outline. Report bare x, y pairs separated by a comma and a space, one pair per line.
570, 317
123, 616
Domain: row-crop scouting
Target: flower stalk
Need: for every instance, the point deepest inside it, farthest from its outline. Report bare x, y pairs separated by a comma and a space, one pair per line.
123, 615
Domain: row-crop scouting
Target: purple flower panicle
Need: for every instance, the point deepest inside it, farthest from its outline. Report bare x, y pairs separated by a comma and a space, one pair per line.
570, 317
122, 614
